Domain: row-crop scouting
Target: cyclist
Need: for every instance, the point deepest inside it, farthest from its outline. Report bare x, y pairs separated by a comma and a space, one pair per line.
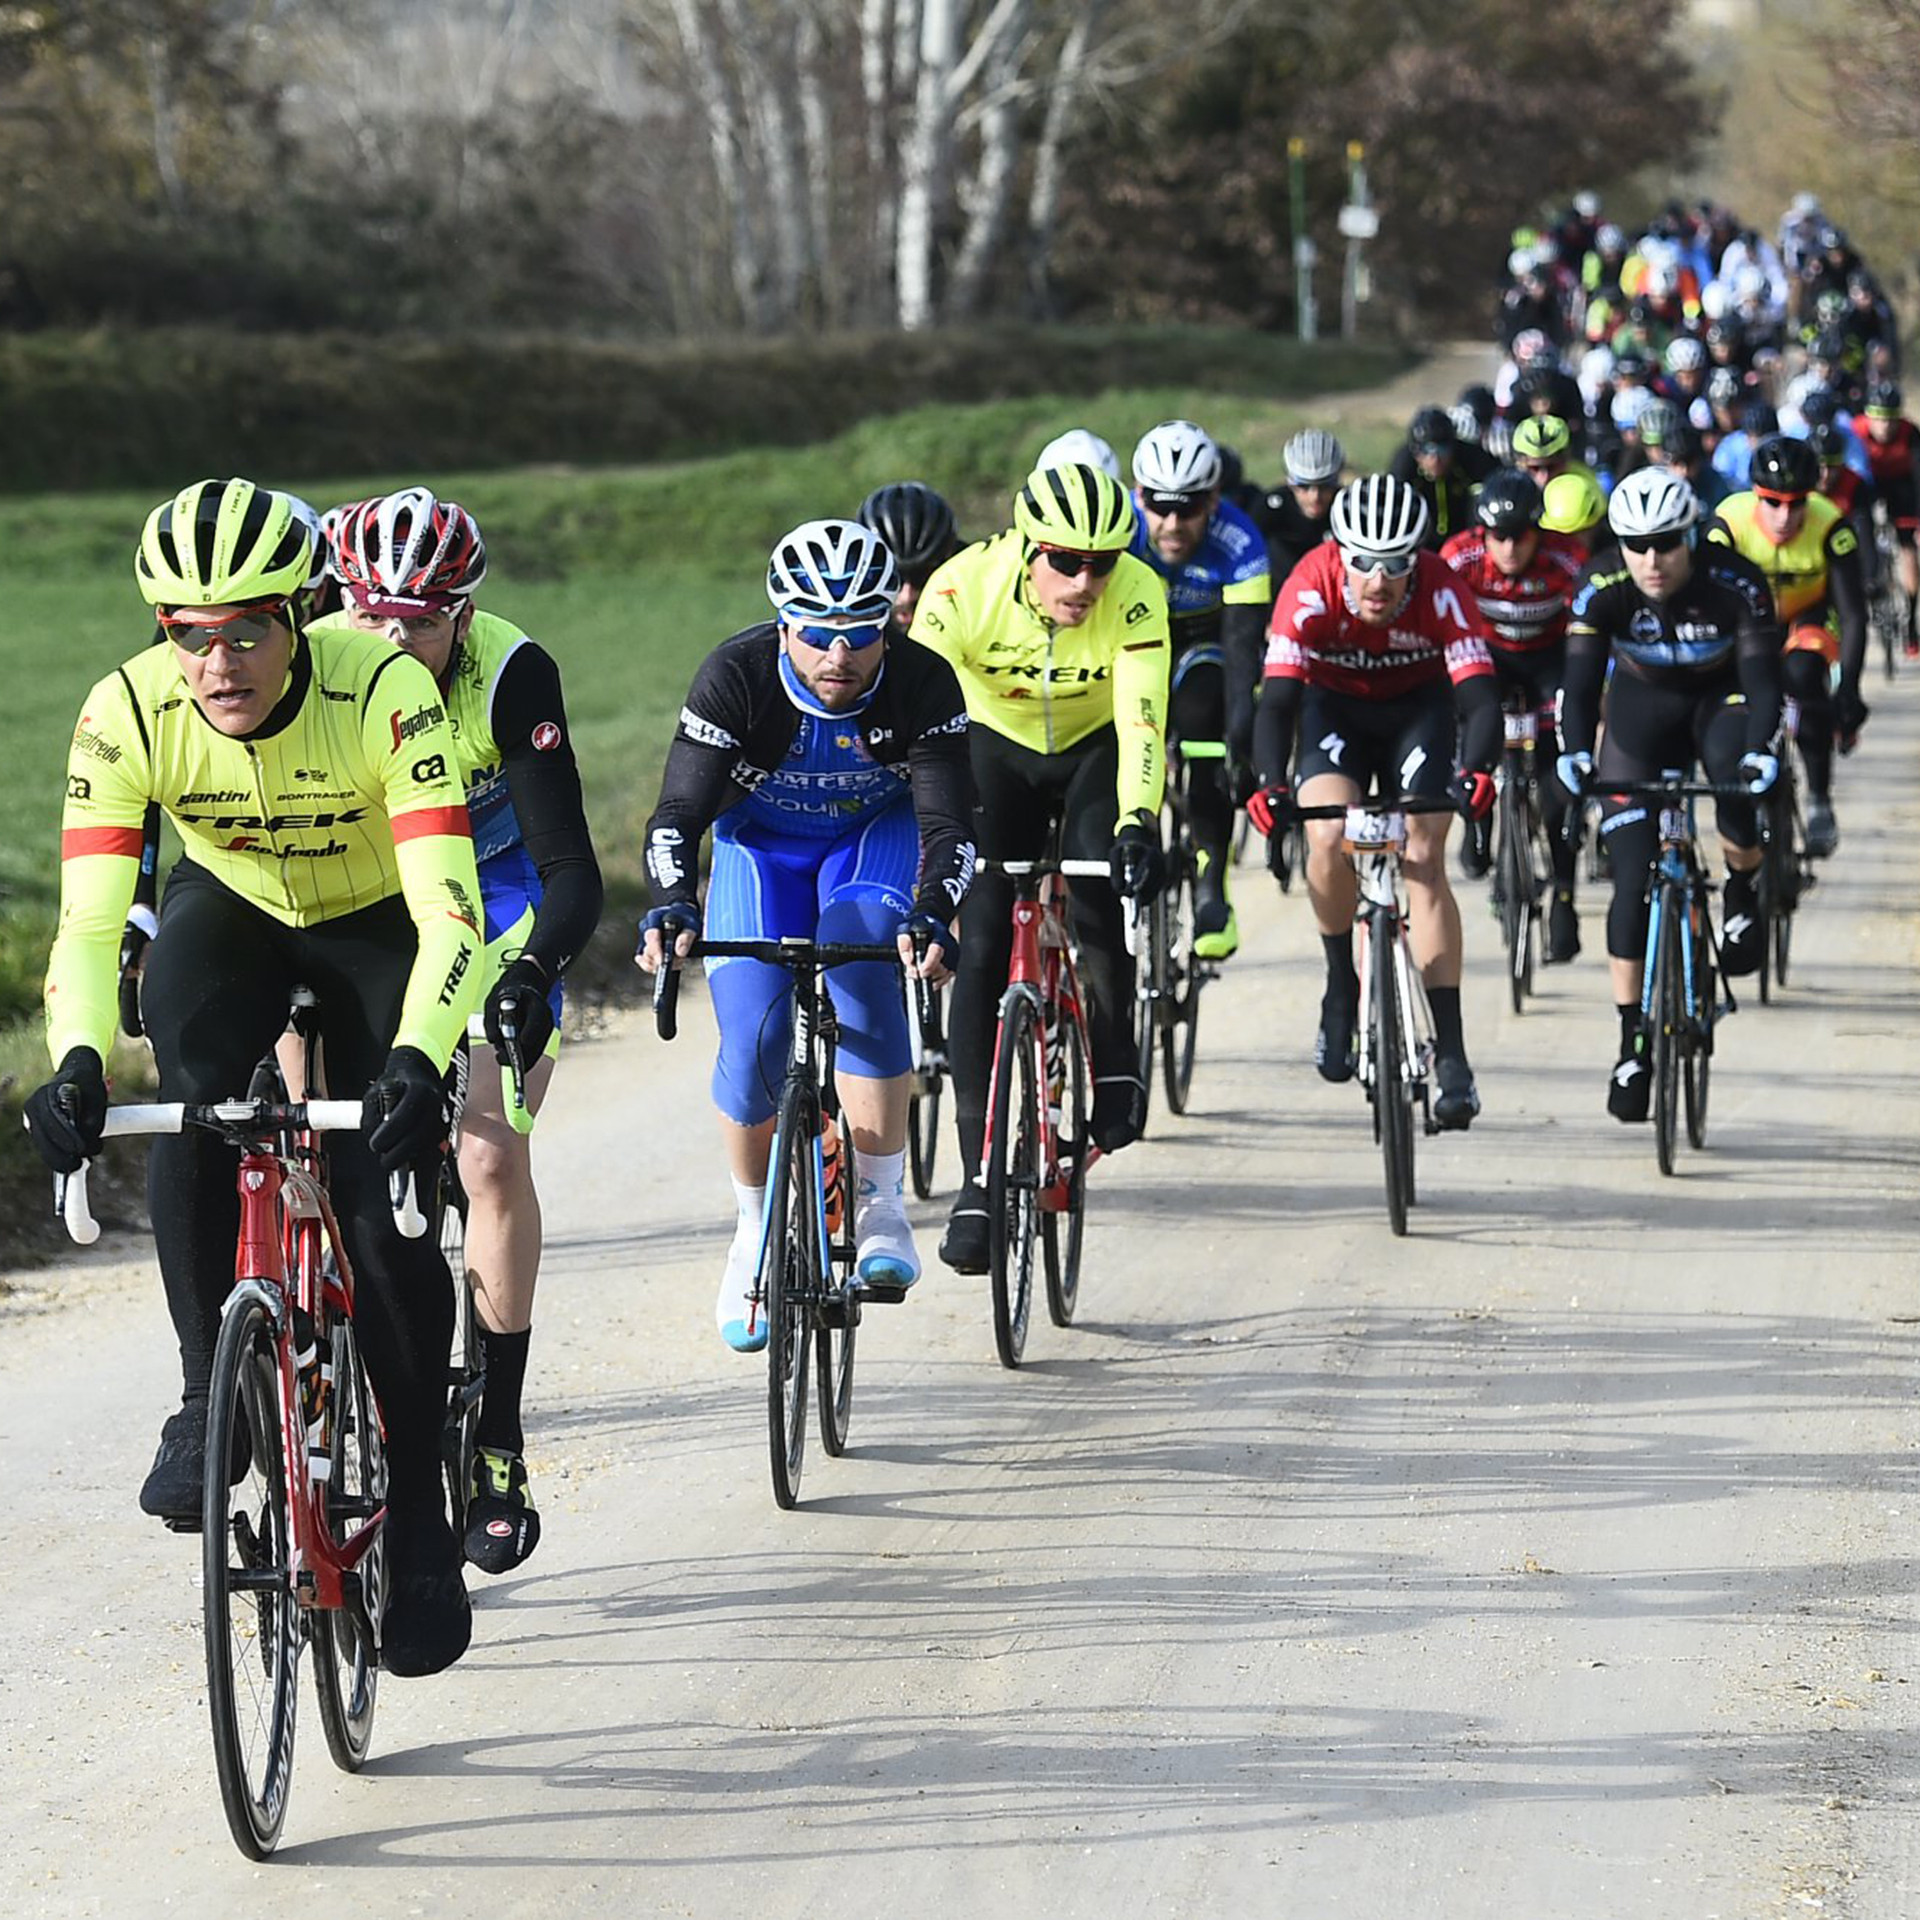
1295, 520
1523, 579
1689, 631
1441, 471
1809, 555
1219, 593
409, 566
825, 753
1543, 447
1367, 634
1893, 451
1575, 504
310, 776
1059, 637
918, 528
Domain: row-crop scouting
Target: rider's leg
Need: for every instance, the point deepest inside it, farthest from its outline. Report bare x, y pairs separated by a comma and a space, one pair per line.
1333, 892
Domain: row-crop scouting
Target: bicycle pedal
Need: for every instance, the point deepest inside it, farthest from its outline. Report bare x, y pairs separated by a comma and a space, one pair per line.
882, 1293
841, 1310
182, 1523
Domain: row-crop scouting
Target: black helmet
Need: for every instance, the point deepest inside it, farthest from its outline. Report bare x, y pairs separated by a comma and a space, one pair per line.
1509, 502
1783, 464
1233, 470
1758, 419
1432, 429
1829, 444
1481, 401
1828, 344
1884, 399
913, 520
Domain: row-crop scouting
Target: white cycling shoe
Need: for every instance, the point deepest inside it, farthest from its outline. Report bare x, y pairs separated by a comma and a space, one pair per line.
740, 1316
886, 1262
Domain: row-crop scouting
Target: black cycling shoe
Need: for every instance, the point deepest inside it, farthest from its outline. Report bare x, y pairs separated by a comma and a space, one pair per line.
1563, 929
1742, 934
1476, 849
1458, 1101
1336, 1045
1630, 1089
1119, 1111
428, 1621
964, 1246
503, 1527
175, 1485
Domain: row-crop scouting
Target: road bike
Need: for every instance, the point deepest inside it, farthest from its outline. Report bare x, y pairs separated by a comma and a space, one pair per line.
1887, 603
930, 1073
1684, 994
806, 1284
1039, 1142
294, 1500
1522, 867
1396, 1038
1786, 870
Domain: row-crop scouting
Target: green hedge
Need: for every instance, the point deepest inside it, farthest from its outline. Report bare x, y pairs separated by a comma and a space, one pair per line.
141, 409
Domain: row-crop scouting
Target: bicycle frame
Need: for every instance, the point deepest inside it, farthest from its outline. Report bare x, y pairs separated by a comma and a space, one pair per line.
1674, 882
1382, 913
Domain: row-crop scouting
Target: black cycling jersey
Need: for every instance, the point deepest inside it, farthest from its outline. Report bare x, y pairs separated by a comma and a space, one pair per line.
1450, 498
1291, 535
739, 723
1718, 629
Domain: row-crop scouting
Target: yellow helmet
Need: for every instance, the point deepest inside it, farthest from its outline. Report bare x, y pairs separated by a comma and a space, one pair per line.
1541, 436
1077, 507
220, 542
1572, 502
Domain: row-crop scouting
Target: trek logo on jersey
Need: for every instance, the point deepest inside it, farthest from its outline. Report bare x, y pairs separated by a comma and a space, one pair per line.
1057, 676
450, 987
272, 822
546, 736
85, 740
703, 732
416, 723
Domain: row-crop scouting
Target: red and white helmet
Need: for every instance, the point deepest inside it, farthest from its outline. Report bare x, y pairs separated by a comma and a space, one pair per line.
408, 553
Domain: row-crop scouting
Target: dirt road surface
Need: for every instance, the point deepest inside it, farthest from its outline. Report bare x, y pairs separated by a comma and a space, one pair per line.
1556, 1561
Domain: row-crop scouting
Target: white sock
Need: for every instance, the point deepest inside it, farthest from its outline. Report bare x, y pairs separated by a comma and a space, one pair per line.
883, 1173
752, 1202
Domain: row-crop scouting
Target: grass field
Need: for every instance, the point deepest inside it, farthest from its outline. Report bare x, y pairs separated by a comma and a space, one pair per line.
628, 577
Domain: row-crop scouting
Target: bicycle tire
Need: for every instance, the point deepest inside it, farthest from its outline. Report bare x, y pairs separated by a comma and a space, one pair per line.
923, 1112
1062, 1233
1013, 1175
788, 1278
838, 1318
252, 1623
1665, 1035
346, 1663
1179, 1033
1514, 868
1393, 1094
1150, 1002
1697, 1058
466, 1363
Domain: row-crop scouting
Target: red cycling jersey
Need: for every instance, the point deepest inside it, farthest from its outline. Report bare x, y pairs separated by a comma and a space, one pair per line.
1892, 462
1845, 491
1525, 612
1437, 634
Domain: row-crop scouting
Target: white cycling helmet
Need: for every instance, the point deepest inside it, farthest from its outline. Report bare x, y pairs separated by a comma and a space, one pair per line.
1313, 458
1176, 457
1609, 239
1685, 354
1378, 518
310, 518
832, 570
1652, 501
1079, 448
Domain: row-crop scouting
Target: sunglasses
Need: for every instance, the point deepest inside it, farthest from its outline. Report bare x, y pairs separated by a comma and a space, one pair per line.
1065, 560
1653, 542
1780, 499
1176, 506
1397, 568
824, 638
242, 631
1510, 535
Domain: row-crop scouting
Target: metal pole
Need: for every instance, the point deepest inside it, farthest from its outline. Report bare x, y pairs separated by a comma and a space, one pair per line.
1303, 252
1350, 281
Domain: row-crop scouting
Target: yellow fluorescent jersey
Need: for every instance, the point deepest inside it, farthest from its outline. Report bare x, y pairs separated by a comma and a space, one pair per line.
347, 795
1797, 572
1048, 687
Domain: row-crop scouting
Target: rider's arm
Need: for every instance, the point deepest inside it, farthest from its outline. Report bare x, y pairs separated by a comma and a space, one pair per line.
1140, 668
1243, 630
1298, 615
108, 782
543, 780
940, 767
701, 779
1757, 659
1585, 674
1847, 594
408, 742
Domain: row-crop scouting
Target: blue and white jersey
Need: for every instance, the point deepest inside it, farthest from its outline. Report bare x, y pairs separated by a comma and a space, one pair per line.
1228, 568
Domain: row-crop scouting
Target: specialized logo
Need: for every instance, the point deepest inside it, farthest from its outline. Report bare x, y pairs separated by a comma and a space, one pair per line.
1333, 745
416, 723
546, 736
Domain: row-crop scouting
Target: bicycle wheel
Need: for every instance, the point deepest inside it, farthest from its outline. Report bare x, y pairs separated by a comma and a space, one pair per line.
1393, 1091
1150, 999
789, 1272
1061, 1233
346, 1664
1013, 1174
466, 1363
1666, 1031
1514, 865
1180, 1029
1697, 1057
838, 1316
252, 1621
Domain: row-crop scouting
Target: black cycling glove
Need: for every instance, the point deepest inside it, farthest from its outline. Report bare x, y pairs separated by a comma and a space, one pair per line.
520, 996
1135, 866
66, 1115
405, 1114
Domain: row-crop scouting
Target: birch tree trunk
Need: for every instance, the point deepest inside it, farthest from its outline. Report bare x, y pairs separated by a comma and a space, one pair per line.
926, 162
878, 78
986, 196
710, 88
1043, 202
